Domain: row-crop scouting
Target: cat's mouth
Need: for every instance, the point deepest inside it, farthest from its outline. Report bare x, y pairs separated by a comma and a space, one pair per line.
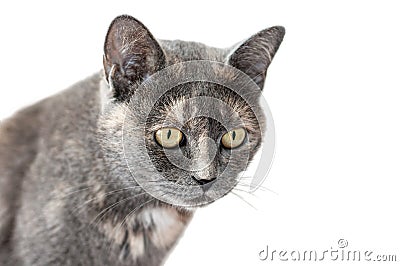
198, 195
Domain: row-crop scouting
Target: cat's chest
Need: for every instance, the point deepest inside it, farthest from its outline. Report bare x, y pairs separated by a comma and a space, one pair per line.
153, 228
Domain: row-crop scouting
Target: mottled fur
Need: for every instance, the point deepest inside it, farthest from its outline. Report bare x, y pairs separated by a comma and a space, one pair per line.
66, 194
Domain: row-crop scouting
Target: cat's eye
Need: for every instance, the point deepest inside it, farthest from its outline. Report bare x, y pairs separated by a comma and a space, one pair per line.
233, 138
168, 137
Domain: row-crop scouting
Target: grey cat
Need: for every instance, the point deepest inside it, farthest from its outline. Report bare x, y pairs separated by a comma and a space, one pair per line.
68, 195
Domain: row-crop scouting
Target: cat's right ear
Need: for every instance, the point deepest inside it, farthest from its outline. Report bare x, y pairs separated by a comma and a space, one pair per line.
131, 54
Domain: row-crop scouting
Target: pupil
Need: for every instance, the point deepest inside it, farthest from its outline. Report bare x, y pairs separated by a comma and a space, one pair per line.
169, 134
233, 135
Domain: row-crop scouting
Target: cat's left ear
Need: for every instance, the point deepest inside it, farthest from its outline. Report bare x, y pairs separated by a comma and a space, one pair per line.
255, 54
131, 54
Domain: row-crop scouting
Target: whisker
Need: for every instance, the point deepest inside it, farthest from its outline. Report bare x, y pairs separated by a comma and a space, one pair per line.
240, 197
244, 191
125, 219
78, 209
109, 208
87, 187
83, 187
258, 188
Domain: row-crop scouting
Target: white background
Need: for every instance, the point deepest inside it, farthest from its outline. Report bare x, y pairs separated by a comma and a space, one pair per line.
333, 89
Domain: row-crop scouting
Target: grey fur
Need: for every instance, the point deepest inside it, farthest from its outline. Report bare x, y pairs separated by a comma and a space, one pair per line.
62, 163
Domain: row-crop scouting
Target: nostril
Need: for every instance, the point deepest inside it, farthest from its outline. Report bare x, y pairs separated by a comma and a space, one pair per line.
202, 181
205, 184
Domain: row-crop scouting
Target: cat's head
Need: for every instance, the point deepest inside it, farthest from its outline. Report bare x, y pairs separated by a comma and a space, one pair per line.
182, 119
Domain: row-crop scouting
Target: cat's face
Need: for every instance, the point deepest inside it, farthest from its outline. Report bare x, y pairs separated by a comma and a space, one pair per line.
186, 128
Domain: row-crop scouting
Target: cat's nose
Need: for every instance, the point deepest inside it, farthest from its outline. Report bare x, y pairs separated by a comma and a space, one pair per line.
205, 184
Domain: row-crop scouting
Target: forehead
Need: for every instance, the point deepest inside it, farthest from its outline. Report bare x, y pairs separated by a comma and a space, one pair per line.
202, 105
180, 51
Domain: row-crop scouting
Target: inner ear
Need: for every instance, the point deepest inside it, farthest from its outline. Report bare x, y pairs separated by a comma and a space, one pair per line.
131, 54
254, 55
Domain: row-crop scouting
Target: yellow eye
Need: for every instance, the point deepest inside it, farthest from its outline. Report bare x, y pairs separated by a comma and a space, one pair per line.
233, 138
169, 137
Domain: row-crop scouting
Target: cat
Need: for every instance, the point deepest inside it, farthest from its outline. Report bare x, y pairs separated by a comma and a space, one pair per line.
88, 178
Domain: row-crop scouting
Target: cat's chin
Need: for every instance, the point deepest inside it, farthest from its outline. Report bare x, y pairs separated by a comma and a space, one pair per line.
191, 204
188, 209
